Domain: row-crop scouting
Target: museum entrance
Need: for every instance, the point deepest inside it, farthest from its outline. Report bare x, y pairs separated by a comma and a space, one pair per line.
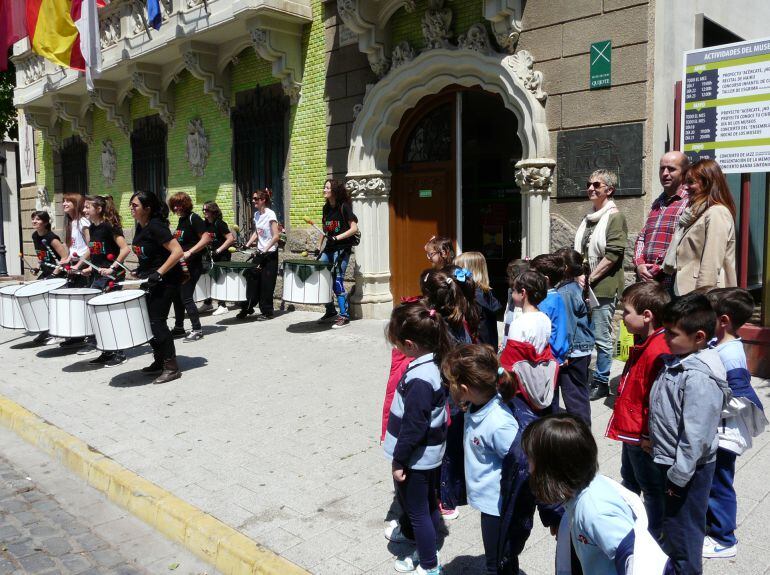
465, 136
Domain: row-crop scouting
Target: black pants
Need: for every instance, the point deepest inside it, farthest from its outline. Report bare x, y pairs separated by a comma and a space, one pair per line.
490, 533
261, 287
185, 299
573, 384
159, 300
417, 498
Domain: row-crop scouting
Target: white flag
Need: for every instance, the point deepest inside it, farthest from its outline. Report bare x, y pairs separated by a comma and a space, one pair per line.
90, 47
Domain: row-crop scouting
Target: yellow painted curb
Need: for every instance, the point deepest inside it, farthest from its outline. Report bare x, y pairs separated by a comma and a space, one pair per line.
229, 550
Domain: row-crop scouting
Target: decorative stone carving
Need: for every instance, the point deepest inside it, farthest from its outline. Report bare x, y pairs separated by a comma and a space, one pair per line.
201, 60
42, 200
166, 9
197, 149
372, 187
476, 38
522, 63
436, 25
109, 161
137, 18
105, 96
402, 54
281, 44
77, 112
534, 178
347, 9
194, 3
42, 120
357, 110
409, 6
508, 38
32, 69
379, 66
109, 30
146, 79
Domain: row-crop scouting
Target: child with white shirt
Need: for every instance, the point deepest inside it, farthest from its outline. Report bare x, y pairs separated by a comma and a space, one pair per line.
532, 326
477, 381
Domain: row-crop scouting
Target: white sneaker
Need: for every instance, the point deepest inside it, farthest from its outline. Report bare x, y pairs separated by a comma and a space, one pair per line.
205, 308
393, 533
221, 310
713, 550
437, 570
407, 564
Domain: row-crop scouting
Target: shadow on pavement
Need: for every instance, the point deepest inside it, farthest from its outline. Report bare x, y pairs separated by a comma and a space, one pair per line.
136, 378
308, 327
83, 365
56, 351
24, 344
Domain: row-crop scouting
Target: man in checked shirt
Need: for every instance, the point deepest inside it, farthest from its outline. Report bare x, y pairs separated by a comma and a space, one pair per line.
658, 230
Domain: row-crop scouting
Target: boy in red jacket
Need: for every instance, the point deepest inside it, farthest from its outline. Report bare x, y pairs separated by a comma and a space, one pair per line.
643, 305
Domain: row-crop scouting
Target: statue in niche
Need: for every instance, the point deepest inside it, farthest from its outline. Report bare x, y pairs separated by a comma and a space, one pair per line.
109, 162
436, 25
197, 147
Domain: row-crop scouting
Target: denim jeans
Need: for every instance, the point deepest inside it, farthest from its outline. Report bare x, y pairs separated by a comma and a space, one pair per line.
340, 258
601, 319
642, 475
721, 517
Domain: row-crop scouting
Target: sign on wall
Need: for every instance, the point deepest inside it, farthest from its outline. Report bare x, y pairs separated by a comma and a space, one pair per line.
726, 105
601, 64
617, 148
26, 151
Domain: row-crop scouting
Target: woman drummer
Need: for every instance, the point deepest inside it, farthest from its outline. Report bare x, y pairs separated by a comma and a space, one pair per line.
107, 248
261, 286
158, 253
48, 248
340, 225
192, 235
76, 234
221, 239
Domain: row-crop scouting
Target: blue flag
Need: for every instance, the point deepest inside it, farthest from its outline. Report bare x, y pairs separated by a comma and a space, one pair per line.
153, 13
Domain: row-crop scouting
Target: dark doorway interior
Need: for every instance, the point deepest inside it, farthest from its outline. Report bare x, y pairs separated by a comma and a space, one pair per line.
149, 159
491, 215
74, 166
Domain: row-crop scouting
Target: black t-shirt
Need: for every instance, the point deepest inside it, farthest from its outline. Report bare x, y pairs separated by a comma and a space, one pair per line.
188, 233
336, 220
102, 243
44, 255
218, 230
148, 247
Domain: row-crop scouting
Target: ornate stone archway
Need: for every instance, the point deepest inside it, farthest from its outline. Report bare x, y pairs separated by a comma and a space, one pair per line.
410, 79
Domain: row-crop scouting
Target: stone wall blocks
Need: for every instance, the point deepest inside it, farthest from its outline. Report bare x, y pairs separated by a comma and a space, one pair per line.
620, 104
544, 43
610, 5
540, 13
572, 74
629, 26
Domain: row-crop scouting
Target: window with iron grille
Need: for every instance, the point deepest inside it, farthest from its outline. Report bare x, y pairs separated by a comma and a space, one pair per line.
259, 151
149, 162
74, 166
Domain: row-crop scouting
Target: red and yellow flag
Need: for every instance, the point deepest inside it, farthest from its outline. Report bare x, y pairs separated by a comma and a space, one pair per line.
52, 31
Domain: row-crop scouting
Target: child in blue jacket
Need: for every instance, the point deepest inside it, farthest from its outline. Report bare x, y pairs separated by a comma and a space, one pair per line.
552, 267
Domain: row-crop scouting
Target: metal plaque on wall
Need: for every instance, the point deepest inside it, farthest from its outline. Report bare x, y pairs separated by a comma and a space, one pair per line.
617, 148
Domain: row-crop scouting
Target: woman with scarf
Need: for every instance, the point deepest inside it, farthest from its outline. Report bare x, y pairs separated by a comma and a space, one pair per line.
702, 252
601, 239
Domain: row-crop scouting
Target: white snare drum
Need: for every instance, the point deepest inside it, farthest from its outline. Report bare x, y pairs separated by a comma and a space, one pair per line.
229, 282
33, 303
10, 314
202, 288
68, 313
307, 281
120, 320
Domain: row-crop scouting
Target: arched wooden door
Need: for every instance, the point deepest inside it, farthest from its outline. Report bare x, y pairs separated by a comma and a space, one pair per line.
423, 196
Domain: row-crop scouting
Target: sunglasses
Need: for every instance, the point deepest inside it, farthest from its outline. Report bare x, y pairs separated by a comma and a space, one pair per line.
595, 185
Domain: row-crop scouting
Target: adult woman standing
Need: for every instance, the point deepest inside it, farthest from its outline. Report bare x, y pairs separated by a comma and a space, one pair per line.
221, 239
261, 286
77, 237
192, 235
158, 253
601, 239
702, 252
340, 225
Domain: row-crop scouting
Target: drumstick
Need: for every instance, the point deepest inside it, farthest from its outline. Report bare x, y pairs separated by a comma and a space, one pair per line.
96, 269
130, 282
309, 221
26, 261
111, 257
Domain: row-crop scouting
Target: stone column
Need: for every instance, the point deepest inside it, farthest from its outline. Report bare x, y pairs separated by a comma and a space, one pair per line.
372, 298
534, 177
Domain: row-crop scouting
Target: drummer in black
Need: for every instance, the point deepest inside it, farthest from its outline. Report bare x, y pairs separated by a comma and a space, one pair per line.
192, 235
158, 253
107, 248
221, 239
48, 246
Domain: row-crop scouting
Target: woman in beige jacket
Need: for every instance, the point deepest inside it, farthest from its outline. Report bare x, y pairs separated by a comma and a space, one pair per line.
702, 252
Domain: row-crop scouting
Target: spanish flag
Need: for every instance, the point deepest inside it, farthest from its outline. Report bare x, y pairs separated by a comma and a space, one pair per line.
66, 32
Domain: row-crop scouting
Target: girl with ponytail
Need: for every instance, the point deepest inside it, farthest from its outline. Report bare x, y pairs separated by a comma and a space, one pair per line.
479, 384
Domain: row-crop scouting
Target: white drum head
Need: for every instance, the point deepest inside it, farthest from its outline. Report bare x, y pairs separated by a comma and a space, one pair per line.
116, 297
74, 292
40, 287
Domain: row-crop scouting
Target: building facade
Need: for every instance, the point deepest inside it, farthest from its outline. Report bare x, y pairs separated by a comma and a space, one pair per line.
474, 119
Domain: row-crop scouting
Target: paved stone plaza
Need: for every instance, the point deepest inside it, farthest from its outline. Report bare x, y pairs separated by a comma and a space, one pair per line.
274, 429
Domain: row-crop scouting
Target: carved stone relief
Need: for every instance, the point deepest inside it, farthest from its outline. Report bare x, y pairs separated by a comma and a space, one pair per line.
197, 150
522, 63
32, 69
402, 54
374, 187
109, 30
476, 38
109, 161
436, 25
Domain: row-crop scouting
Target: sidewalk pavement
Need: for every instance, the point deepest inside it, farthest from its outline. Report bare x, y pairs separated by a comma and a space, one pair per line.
274, 429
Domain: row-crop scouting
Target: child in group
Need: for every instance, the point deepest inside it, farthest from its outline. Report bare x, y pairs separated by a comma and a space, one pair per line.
733, 308
440, 253
76, 227
643, 305
416, 434
603, 523
107, 249
515, 267
552, 267
485, 298
573, 374
686, 403
527, 353
48, 248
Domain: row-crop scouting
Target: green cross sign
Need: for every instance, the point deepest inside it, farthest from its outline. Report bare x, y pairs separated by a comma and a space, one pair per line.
601, 64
